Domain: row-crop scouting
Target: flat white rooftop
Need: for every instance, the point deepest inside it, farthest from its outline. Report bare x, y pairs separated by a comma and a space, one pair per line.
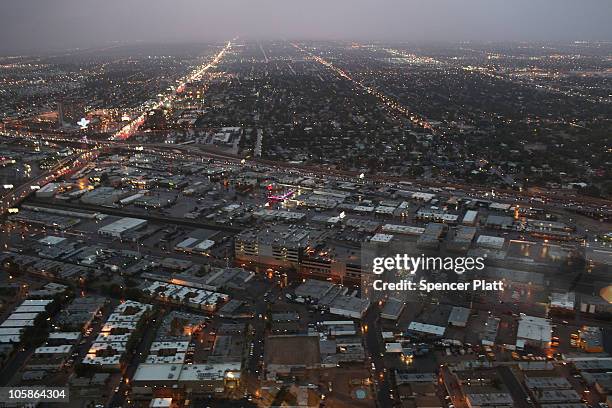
427, 328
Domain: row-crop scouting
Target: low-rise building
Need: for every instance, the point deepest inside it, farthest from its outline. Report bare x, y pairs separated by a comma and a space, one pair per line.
117, 228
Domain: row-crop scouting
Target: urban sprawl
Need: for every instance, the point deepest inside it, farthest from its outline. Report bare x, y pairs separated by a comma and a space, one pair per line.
186, 225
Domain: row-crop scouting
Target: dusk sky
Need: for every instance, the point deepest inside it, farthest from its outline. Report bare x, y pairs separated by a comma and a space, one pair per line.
60, 24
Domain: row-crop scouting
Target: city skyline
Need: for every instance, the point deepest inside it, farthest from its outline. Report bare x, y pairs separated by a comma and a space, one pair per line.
31, 25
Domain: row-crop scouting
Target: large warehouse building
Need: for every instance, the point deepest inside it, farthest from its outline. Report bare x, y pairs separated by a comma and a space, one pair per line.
118, 228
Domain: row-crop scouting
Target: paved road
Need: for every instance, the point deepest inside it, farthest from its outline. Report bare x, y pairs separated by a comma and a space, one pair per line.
453, 388
375, 346
519, 395
254, 368
131, 128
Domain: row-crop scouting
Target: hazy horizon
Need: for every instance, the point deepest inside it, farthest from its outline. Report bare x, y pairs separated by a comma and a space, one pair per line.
35, 25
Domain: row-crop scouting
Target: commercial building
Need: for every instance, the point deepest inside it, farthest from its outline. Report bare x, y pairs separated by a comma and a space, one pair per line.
301, 248
118, 228
436, 216
338, 327
403, 229
470, 217
196, 379
392, 309
333, 298
557, 396
489, 332
339, 262
487, 241
546, 383
276, 246
102, 196
426, 329
501, 222
431, 237
489, 400
563, 300
462, 240
534, 331
459, 316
